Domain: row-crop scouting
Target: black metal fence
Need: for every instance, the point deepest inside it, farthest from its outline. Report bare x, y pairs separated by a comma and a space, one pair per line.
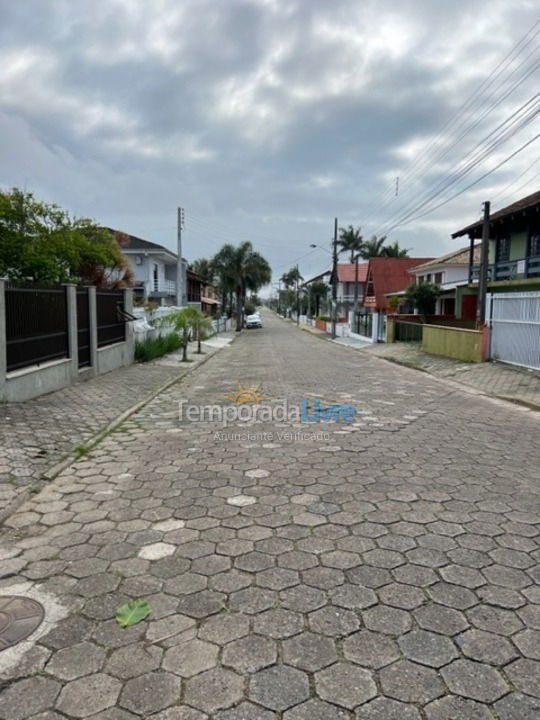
111, 323
36, 325
83, 327
408, 331
363, 324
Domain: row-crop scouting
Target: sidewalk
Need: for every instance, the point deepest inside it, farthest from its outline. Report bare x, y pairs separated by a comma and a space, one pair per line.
38, 434
491, 378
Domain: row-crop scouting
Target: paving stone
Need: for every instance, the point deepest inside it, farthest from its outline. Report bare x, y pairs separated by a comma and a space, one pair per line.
201, 604
427, 648
279, 687
516, 706
250, 653
302, 598
167, 627
486, 647
245, 711
88, 695
401, 596
453, 707
370, 649
411, 683
525, 675
316, 710
494, 619
150, 693
528, 643
278, 623
440, 619
388, 620
224, 628
334, 621
309, 651
383, 708
353, 597
190, 658
76, 661
133, 660
28, 697
474, 680
345, 685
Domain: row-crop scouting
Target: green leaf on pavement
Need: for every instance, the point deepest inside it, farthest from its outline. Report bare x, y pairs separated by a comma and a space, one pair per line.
132, 612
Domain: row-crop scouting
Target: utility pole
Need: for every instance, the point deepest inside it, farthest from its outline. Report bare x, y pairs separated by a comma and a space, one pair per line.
297, 297
180, 291
484, 263
279, 297
334, 279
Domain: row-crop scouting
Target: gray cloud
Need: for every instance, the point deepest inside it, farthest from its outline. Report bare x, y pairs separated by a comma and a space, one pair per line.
264, 118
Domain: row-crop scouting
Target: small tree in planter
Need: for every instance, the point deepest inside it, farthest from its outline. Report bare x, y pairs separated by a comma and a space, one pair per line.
393, 304
202, 327
423, 296
181, 322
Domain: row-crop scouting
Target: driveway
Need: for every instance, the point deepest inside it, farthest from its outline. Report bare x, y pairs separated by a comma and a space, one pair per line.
382, 569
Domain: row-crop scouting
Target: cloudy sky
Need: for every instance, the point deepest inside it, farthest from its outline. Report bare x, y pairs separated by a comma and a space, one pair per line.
267, 118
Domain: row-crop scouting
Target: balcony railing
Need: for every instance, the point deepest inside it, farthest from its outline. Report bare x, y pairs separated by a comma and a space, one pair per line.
167, 287
510, 270
349, 297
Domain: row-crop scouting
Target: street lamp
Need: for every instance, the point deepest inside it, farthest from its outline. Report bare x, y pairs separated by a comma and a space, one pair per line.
334, 254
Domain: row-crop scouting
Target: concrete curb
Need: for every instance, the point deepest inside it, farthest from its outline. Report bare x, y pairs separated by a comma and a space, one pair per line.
72, 456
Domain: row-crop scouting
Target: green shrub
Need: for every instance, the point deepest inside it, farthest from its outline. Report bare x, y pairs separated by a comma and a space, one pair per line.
325, 318
152, 348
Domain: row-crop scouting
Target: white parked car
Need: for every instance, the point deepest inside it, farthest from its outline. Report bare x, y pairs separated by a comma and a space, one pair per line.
254, 321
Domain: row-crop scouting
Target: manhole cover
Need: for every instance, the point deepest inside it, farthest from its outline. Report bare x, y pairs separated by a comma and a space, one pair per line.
19, 617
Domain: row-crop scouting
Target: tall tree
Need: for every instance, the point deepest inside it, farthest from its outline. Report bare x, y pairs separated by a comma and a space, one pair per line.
395, 250
351, 241
43, 243
374, 247
243, 269
205, 268
318, 291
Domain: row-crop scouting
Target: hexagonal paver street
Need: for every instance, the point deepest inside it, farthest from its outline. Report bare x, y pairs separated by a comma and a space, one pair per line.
384, 569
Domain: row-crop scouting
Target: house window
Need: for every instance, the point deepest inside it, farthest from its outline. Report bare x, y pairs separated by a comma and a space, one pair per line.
503, 249
428, 277
421, 278
438, 278
534, 245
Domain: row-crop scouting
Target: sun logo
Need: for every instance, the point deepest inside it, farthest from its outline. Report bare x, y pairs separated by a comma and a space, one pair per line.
245, 395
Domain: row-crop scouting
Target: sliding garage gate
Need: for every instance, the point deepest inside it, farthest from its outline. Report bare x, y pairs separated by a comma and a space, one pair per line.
514, 319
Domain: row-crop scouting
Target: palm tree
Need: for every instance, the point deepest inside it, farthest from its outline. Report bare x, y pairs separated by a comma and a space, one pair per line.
241, 269
373, 247
395, 251
351, 240
318, 290
181, 322
202, 327
205, 268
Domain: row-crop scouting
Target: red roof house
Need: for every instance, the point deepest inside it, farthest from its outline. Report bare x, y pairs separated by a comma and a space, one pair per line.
388, 275
346, 272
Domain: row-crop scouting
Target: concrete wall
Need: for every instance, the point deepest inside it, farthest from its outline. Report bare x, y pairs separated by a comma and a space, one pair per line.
458, 343
36, 380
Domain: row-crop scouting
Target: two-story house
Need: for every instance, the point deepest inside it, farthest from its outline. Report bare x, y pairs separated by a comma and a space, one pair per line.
513, 307
450, 272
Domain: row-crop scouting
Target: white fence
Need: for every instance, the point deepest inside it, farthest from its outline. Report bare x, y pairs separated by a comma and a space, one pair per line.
145, 326
514, 319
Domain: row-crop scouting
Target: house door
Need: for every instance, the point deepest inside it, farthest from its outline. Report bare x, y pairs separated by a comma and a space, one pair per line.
514, 319
155, 277
468, 307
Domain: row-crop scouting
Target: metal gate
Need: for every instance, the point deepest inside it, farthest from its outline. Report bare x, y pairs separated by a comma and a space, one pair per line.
514, 319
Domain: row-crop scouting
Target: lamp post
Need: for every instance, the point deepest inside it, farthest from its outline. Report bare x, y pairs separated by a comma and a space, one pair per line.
334, 254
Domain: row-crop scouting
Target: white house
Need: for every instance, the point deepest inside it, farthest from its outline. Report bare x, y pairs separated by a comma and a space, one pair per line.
155, 270
448, 272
